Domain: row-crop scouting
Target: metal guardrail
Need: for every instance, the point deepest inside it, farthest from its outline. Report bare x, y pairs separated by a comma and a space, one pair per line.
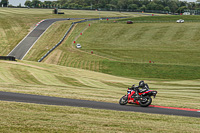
56, 44
82, 21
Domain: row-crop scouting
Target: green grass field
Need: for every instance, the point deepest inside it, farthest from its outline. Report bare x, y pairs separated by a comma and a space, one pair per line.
23, 117
120, 59
163, 43
172, 47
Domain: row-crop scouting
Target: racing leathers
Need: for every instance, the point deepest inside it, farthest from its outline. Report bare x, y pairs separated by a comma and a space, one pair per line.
137, 89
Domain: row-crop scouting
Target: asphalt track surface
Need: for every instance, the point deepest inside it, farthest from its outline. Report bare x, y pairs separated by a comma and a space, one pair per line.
27, 43
37, 99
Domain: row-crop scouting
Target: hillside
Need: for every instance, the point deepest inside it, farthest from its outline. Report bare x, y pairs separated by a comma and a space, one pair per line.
170, 46
16, 23
60, 81
68, 82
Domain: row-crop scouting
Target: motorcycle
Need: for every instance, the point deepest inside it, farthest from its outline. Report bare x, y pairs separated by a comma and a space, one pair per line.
144, 99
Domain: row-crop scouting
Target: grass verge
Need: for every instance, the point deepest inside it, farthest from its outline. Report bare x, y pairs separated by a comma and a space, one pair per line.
23, 117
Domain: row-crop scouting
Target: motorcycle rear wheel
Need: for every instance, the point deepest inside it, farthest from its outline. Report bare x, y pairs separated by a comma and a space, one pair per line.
145, 103
123, 100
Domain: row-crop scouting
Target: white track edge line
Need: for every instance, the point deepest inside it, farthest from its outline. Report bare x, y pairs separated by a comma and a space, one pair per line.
25, 38
36, 41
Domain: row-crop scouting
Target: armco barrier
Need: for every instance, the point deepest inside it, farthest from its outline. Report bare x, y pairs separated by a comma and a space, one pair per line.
10, 58
56, 44
82, 21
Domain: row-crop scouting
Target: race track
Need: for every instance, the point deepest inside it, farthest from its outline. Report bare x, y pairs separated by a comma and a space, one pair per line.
20, 51
27, 98
27, 43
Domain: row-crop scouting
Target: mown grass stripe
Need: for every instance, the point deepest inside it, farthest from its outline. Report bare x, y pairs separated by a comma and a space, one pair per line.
71, 81
24, 76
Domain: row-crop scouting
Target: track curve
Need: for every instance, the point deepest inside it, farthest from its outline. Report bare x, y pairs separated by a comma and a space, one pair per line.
23, 47
27, 43
38, 99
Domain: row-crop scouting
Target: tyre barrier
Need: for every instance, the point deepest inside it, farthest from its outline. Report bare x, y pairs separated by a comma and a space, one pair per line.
10, 58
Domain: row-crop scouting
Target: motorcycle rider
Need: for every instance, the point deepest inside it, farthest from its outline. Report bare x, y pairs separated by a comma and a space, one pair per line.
137, 89
144, 86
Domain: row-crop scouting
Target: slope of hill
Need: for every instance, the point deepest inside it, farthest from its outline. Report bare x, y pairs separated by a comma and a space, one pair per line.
60, 81
68, 82
15, 23
169, 46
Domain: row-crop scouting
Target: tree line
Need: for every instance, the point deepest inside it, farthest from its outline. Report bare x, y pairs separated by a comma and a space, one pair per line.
174, 6
4, 3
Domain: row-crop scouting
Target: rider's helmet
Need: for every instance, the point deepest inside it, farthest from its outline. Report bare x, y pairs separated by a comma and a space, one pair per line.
141, 83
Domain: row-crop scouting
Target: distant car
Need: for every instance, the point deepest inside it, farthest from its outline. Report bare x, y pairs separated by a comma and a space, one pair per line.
180, 21
78, 45
129, 22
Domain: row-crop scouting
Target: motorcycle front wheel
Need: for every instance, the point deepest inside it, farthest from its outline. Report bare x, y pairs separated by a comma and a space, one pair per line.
123, 100
145, 102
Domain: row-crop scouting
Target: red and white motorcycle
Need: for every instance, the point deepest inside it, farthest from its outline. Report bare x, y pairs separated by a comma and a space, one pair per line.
144, 99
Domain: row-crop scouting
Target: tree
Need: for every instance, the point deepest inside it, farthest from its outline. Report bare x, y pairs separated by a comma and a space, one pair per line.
139, 3
143, 8
121, 4
191, 5
28, 3
133, 6
167, 9
181, 9
47, 4
130, 2
151, 6
173, 6
159, 7
145, 2
4, 3
65, 5
110, 6
36, 3
114, 2
165, 3
62, 2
